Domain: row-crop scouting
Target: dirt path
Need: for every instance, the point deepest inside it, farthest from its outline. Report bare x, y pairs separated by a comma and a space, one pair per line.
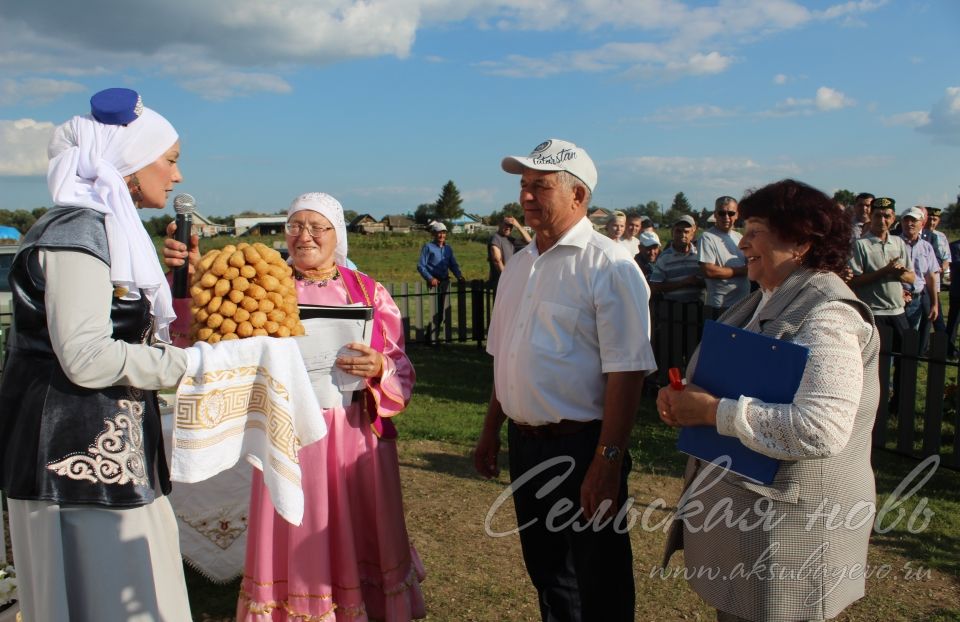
475, 577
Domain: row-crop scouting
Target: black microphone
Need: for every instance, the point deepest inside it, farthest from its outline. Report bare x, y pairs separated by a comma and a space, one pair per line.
184, 205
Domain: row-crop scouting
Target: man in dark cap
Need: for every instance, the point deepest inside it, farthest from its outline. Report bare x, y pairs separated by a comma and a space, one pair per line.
941, 248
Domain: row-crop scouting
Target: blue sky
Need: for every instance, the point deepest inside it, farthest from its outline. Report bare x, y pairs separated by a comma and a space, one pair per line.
380, 102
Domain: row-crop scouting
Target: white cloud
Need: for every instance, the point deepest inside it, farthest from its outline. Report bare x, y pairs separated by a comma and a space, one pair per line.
826, 100
23, 147
780, 79
688, 114
662, 39
232, 84
35, 91
849, 10
944, 118
715, 174
915, 118
832, 99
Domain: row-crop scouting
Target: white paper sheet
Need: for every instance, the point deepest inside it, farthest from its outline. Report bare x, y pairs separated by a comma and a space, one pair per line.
325, 340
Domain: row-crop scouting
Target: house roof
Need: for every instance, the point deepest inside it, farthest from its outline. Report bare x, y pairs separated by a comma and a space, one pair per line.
397, 220
360, 219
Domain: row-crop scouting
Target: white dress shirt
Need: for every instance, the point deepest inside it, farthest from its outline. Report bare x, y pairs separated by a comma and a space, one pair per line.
563, 319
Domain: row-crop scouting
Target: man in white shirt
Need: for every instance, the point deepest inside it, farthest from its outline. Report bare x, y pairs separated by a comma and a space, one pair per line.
570, 385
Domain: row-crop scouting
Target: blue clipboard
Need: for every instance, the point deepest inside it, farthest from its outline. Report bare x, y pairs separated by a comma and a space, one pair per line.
735, 362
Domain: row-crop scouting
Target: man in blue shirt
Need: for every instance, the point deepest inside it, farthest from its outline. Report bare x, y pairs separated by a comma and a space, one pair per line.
436, 263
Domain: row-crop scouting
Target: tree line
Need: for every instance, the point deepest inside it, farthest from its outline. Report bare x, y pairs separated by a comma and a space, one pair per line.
449, 206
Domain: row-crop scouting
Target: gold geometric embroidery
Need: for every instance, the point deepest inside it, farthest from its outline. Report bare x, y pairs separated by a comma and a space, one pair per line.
204, 411
238, 372
203, 443
116, 456
284, 472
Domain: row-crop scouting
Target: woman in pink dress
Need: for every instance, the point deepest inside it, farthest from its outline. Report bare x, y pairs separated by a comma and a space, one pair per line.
351, 559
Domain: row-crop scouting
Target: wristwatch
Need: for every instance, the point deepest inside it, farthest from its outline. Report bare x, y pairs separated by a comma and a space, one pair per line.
610, 453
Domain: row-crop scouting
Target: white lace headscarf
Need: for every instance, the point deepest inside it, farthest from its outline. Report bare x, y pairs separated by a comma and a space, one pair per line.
331, 209
88, 161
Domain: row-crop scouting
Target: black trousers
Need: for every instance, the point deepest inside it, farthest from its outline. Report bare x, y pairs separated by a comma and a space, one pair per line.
434, 334
898, 324
952, 317
581, 575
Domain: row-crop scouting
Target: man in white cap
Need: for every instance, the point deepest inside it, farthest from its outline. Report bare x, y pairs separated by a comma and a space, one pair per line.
921, 296
436, 263
649, 250
569, 383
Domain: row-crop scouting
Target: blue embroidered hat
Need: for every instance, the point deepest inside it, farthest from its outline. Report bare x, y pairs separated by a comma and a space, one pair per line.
116, 106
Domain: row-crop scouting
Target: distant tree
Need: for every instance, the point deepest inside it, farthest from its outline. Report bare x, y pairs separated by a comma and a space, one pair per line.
510, 209
424, 213
157, 226
20, 219
349, 215
703, 218
679, 207
449, 204
845, 197
222, 220
950, 219
650, 209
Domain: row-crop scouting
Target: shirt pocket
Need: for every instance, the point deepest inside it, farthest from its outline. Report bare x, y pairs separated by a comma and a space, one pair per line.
554, 327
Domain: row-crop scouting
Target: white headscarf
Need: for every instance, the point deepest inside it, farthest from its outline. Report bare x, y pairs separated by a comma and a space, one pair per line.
88, 161
331, 209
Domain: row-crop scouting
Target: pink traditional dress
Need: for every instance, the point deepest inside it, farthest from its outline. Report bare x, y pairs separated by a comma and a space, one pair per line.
351, 559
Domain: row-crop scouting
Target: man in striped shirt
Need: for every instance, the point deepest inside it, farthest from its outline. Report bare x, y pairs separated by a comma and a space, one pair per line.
676, 274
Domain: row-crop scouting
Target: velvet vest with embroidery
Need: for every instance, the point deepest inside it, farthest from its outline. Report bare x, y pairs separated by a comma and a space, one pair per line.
58, 441
361, 288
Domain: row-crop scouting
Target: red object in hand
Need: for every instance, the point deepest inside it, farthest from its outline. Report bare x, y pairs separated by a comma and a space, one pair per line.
676, 380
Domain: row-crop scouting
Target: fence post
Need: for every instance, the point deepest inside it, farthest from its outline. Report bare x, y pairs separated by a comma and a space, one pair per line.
478, 303
907, 392
418, 290
936, 379
461, 311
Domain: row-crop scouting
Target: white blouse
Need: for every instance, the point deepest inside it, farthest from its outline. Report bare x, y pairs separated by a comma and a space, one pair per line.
819, 422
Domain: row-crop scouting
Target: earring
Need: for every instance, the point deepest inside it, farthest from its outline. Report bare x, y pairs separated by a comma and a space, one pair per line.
136, 192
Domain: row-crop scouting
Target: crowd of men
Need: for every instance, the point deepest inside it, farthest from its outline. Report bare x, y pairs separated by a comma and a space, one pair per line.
897, 265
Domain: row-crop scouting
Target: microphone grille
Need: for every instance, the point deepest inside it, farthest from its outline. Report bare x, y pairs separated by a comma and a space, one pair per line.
184, 204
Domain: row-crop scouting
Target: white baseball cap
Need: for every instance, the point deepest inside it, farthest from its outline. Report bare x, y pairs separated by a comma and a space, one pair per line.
914, 213
437, 227
555, 155
649, 238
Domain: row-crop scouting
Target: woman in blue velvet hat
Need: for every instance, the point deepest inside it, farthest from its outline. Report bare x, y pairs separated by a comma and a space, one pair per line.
94, 537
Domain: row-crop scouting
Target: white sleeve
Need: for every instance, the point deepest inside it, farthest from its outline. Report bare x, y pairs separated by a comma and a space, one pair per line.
622, 302
78, 296
820, 420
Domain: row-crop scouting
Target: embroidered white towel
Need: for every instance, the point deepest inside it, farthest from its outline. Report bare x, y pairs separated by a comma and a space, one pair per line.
252, 398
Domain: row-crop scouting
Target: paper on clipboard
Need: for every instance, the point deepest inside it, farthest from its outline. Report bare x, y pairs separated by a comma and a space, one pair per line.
328, 330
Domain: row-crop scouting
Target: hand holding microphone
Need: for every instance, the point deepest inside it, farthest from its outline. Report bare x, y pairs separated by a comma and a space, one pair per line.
184, 205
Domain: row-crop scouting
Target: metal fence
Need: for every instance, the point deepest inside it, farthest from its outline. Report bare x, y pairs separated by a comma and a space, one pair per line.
922, 421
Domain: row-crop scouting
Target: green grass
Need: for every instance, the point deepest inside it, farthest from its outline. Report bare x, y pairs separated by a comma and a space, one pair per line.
387, 257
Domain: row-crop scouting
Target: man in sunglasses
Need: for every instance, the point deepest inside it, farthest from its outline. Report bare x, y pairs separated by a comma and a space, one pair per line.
722, 263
